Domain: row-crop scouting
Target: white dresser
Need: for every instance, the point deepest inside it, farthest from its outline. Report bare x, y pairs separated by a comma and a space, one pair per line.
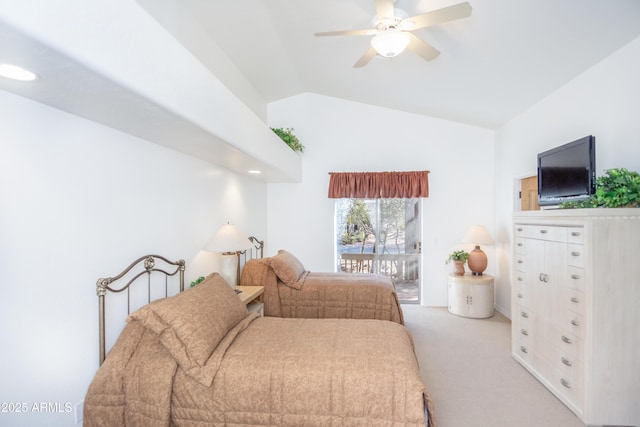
576, 308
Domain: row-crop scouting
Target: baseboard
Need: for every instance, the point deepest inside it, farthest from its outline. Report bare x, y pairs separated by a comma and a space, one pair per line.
506, 313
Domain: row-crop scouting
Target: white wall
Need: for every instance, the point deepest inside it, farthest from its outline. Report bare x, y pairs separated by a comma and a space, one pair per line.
346, 136
603, 101
81, 201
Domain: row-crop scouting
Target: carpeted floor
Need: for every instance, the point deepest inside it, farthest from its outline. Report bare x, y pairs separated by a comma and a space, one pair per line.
474, 382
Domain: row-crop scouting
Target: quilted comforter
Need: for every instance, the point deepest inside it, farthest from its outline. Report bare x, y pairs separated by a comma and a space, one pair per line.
200, 359
269, 371
324, 295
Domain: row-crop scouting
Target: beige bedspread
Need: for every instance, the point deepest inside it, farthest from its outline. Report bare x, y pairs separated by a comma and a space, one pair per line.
325, 295
266, 371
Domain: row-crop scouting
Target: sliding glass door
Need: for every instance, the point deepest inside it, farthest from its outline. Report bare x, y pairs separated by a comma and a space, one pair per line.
381, 236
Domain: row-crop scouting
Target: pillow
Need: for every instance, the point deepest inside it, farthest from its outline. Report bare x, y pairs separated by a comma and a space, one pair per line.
286, 266
191, 324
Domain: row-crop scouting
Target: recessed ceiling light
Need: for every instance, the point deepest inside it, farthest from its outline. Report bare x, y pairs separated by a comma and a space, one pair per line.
255, 171
16, 73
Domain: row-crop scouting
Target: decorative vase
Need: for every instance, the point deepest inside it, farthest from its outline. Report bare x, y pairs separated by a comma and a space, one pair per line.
458, 268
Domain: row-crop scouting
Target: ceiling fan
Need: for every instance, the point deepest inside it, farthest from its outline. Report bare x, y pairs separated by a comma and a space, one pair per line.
393, 30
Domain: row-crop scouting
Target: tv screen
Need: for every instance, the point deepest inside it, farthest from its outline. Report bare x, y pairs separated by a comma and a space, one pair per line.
567, 173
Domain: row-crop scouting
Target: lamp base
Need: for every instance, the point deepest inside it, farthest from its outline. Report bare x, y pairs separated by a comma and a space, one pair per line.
229, 268
477, 261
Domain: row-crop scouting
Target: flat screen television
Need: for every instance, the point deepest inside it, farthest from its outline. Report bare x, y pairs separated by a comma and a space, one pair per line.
567, 173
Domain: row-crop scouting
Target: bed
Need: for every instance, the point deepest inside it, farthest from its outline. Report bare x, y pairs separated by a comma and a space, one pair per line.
200, 358
291, 291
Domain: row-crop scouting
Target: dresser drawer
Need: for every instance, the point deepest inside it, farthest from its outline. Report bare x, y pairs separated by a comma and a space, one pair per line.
567, 366
520, 263
543, 232
569, 388
574, 301
524, 315
524, 332
573, 323
519, 278
575, 235
520, 294
577, 279
523, 348
569, 343
575, 255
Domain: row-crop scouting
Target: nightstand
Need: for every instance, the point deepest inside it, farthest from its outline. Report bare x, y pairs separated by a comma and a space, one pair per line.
471, 296
252, 297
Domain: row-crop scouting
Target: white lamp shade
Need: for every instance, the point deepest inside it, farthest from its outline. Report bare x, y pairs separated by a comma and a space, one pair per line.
478, 235
390, 43
228, 239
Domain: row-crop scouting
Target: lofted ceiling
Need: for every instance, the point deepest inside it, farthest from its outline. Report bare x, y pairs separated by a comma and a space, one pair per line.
493, 65
201, 62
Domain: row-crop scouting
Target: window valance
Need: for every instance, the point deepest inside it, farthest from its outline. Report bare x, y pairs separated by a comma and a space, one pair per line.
378, 185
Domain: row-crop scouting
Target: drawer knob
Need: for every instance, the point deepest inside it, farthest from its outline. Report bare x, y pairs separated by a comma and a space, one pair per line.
575, 276
523, 349
523, 314
565, 383
575, 233
543, 231
519, 244
520, 279
575, 300
519, 261
575, 323
566, 361
520, 296
524, 332
575, 253
566, 340
518, 229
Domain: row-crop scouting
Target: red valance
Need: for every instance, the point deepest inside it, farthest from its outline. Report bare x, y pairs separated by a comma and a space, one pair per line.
378, 185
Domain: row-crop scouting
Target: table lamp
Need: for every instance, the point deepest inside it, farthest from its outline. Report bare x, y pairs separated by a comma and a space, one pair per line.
478, 235
230, 242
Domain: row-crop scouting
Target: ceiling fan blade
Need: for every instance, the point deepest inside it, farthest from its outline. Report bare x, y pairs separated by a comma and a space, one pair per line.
368, 32
364, 60
457, 11
384, 9
422, 48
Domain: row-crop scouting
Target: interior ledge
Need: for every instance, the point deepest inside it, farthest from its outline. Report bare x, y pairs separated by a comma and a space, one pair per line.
117, 66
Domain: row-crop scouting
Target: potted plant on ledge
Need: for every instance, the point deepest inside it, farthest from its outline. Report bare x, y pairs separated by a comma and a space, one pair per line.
287, 135
458, 258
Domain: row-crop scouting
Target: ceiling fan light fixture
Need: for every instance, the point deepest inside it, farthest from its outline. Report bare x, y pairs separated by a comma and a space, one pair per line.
390, 43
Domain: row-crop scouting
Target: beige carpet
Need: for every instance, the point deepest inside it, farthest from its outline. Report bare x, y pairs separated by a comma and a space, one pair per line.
473, 380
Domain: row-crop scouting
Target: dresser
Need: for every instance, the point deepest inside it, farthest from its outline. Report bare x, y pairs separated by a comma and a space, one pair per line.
471, 296
576, 308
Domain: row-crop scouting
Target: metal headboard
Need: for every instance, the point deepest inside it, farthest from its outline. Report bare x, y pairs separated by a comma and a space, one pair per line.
258, 245
257, 251
149, 262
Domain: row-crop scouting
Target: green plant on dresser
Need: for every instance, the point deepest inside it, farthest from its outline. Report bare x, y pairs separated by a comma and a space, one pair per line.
617, 188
